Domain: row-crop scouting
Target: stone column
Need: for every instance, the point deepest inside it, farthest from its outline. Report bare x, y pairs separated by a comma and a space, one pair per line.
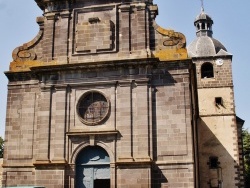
125, 29
58, 126
43, 125
124, 144
139, 31
140, 121
62, 37
48, 37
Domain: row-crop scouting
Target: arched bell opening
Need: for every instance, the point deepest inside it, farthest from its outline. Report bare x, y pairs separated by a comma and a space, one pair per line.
207, 70
92, 168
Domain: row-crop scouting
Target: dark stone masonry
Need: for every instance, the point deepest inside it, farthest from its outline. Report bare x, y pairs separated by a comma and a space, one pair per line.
105, 97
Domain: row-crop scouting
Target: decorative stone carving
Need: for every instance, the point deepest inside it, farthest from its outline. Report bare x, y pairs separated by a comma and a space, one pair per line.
174, 38
25, 55
171, 45
25, 52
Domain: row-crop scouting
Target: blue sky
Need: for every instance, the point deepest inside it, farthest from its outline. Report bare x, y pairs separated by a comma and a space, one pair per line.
231, 27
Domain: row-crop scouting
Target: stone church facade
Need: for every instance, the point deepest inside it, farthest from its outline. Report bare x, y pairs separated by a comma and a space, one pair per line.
105, 97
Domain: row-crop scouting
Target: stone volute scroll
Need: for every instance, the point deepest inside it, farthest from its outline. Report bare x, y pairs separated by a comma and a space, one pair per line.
30, 54
25, 56
171, 45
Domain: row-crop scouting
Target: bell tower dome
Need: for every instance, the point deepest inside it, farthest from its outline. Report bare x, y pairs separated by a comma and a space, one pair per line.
205, 45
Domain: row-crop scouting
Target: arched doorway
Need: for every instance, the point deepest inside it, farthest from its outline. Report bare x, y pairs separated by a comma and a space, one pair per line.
93, 168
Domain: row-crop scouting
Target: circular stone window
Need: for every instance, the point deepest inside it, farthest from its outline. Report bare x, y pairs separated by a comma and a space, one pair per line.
93, 108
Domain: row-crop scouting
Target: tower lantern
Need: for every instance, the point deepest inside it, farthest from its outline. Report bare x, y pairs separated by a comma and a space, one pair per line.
203, 24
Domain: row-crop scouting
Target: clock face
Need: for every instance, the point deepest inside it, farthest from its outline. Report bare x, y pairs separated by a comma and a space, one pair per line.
219, 62
93, 108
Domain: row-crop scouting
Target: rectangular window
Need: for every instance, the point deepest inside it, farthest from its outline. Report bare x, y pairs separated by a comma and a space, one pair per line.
218, 101
213, 162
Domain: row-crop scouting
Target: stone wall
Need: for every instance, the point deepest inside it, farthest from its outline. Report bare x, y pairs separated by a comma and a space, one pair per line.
218, 138
148, 125
217, 129
222, 73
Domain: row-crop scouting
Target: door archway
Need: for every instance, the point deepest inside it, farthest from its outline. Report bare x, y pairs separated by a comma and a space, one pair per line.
92, 168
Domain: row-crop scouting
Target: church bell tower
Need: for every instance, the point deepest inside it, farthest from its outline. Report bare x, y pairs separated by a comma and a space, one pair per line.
218, 137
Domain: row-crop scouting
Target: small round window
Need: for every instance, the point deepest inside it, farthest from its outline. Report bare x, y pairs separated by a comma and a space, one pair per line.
93, 108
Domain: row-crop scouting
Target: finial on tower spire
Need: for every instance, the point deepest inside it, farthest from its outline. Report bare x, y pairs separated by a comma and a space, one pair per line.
202, 5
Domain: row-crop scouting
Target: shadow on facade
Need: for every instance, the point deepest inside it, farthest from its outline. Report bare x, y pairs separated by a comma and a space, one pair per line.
167, 80
158, 177
217, 164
